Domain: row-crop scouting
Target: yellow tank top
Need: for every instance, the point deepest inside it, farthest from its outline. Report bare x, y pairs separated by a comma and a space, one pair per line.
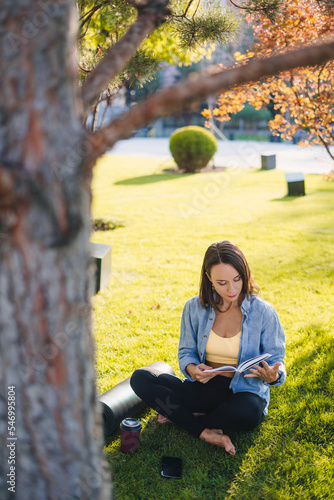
222, 350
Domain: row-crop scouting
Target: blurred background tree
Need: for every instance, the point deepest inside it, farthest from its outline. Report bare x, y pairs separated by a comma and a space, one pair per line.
302, 100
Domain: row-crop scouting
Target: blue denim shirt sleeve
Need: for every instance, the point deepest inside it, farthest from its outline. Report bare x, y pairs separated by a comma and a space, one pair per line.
188, 350
273, 341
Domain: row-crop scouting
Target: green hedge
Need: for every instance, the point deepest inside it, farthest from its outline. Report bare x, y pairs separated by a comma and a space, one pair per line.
192, 147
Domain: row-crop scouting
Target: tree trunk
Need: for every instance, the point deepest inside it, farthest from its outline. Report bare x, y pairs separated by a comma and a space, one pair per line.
51, 433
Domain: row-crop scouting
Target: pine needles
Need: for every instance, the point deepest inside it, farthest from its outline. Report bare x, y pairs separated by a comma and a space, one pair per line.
214, 25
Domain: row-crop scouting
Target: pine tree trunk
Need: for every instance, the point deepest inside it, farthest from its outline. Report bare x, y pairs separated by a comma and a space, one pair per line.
52, 448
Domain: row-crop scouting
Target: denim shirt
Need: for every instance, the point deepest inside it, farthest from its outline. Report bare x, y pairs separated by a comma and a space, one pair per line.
261, 332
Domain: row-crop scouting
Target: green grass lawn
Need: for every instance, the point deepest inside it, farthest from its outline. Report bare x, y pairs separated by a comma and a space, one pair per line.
169, 221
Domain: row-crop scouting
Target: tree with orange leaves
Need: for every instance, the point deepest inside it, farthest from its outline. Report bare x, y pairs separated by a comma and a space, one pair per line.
303, 98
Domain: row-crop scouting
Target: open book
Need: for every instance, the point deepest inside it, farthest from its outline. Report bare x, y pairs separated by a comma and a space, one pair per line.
243, 366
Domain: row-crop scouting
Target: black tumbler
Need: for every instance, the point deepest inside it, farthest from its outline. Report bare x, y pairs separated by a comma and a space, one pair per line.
130, 430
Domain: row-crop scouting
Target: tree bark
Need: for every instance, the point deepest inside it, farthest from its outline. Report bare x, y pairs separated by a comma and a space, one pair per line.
46, 347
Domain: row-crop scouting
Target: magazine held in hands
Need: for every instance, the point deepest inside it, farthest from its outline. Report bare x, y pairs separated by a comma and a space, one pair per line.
243, 367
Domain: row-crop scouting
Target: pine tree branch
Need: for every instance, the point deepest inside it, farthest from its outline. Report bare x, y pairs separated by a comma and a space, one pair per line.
151, 14
185, 95
184, 15
187, 8
265, 7
197, 7
88, 15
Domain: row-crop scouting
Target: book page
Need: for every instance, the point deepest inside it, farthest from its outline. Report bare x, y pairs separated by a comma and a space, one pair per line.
251, 362
222, 369
243, 366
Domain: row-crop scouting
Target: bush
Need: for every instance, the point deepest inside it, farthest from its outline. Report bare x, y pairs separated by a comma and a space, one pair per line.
192, 147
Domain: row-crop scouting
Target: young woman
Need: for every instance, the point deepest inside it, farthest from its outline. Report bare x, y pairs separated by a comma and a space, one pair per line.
225, 325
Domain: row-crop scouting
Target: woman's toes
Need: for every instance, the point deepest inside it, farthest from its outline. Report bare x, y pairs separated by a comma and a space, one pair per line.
217, 437
228, 445
163, 420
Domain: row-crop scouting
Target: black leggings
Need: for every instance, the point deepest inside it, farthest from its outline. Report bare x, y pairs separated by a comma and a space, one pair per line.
177, 399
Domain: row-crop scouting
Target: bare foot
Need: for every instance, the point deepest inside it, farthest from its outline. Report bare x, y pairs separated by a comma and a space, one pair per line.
163, 420
216, 437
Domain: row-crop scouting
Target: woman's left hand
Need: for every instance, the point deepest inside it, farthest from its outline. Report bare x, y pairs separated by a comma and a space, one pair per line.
265, 372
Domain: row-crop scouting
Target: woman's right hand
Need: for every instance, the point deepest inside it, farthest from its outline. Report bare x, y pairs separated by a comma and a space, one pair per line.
197, 372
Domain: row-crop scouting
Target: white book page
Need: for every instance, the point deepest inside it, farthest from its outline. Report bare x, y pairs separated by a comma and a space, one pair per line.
243, 366
222, 369
251, 362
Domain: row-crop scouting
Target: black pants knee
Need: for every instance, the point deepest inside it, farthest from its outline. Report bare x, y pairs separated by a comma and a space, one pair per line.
178, 399
241, 412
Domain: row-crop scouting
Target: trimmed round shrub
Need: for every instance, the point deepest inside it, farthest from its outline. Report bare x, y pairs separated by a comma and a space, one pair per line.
192, 147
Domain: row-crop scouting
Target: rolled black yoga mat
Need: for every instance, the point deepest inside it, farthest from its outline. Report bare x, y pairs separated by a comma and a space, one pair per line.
121, 402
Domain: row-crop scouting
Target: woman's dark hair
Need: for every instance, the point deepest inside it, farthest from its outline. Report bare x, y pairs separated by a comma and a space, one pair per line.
224, 252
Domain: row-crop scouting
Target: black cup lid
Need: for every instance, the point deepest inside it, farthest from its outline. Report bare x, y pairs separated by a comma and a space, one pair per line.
130, 424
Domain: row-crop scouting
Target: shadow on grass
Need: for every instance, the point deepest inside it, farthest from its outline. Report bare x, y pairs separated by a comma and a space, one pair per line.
296, 446
149, 179
257, 170
309, 386
286, 198
289, 451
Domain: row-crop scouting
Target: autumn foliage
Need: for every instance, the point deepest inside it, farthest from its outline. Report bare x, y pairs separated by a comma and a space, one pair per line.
303, 98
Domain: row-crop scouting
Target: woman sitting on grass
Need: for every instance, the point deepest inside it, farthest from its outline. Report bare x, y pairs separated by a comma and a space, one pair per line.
225, 325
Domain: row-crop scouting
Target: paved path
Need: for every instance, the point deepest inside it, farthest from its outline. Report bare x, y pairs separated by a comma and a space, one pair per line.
245, 154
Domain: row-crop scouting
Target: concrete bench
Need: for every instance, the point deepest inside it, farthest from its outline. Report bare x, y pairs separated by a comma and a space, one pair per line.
101, 257
268, 161
296, 183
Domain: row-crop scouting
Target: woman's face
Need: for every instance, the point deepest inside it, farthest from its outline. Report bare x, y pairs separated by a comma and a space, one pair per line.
227, 281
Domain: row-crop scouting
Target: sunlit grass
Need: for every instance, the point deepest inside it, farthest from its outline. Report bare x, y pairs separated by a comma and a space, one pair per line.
169, 221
